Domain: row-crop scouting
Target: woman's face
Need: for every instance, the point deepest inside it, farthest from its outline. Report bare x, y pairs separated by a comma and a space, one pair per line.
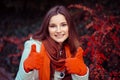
58, 28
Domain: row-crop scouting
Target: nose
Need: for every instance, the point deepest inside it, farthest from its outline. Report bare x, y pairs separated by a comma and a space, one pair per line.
58, 29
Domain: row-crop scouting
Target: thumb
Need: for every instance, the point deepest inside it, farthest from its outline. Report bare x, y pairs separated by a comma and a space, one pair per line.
79, 52
33, 48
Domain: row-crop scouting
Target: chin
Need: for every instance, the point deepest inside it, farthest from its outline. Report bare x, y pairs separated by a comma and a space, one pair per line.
60, 42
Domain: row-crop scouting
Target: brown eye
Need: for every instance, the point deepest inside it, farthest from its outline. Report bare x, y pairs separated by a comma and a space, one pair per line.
64, 24
52, 26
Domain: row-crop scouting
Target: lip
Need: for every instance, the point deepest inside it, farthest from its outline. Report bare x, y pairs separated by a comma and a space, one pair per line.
59, 36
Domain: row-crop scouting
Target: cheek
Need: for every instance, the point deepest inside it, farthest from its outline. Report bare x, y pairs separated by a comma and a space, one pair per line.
67, 31
68, 34
51, 31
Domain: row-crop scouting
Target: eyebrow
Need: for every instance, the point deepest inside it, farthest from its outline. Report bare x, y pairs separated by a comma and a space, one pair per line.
54, 23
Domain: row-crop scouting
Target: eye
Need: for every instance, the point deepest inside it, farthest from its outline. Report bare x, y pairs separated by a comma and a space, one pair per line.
64, 24
52, 26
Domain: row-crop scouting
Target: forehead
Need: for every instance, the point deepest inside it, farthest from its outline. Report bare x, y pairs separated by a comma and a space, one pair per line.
57, 18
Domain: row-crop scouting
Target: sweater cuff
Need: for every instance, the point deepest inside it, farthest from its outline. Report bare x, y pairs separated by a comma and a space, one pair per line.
84, 77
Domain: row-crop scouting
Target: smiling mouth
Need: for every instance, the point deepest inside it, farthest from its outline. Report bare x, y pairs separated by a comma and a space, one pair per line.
59, 36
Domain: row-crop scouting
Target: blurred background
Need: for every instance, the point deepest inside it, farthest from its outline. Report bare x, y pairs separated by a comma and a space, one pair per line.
97, 22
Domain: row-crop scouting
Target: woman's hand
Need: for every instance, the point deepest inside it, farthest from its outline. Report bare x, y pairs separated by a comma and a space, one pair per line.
76, 65
34, 60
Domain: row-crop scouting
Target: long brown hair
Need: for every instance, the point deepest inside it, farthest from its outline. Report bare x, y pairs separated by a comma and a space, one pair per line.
43, 33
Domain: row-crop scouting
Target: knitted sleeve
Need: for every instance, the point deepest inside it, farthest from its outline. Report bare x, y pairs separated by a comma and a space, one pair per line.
84, 77
21, 74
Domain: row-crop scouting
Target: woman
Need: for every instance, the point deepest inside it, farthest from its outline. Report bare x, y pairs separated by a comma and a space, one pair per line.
54, 53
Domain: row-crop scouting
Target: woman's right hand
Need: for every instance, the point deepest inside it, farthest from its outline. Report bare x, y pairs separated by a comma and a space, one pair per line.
34, 60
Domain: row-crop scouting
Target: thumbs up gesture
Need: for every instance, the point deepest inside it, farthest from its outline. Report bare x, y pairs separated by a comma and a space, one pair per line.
76, 65
34, 60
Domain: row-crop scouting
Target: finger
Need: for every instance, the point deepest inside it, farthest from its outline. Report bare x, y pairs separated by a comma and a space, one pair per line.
67, 65
33, 48
79, 52
67, 60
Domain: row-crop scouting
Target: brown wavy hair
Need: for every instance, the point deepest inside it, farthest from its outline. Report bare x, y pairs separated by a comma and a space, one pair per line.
43, 33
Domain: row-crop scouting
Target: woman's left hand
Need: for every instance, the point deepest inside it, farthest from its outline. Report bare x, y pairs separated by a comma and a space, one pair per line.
76, 65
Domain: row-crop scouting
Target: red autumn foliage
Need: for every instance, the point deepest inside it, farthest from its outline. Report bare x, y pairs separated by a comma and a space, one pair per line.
100, 42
